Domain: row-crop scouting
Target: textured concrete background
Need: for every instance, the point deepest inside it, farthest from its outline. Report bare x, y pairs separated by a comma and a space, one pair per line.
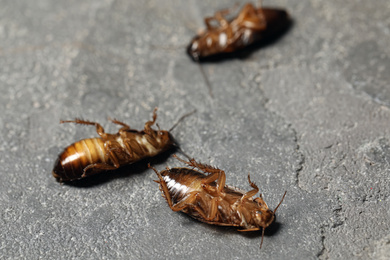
308, 114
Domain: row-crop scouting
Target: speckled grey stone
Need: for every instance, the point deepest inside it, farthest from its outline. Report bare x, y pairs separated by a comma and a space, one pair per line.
308, 114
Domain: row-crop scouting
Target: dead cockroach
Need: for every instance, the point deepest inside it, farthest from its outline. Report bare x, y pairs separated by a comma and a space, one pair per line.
206, 198
252, 25
110, 151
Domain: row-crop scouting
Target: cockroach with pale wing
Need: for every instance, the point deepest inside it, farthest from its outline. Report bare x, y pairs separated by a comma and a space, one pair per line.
207, 199
110, 151
252, 25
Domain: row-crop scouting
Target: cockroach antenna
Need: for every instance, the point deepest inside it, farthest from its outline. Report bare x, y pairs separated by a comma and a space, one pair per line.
181, 119
175, 144
280, 201
262, 233
206, 80
262, 237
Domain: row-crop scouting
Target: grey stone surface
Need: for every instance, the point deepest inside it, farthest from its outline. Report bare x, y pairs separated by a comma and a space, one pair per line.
308, 114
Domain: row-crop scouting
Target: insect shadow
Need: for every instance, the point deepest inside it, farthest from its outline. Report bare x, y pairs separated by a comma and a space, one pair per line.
123, 172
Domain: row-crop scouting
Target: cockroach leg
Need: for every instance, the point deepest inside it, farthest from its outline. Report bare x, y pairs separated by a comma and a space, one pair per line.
148, 125
203, 167
184, 203
99, 128
251, 192
211, 178
221, 181
251, 229
215, 174
125, 126
127, 144
257, 22
252, 184
220, 15
212, 209
183, 153
163, 186
158, 174
183, 161
110, 147
208, 21
96, 168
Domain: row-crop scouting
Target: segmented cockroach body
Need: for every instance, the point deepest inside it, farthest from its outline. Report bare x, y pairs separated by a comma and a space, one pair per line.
250, 26
206, 198
109, 151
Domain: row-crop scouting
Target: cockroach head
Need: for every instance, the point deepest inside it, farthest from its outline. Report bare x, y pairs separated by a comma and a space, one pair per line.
58, 171
165, 139
193, 49
262, 215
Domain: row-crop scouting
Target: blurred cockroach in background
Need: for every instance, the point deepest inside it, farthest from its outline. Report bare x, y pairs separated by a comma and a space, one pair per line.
252, 25
207, 199
110, 151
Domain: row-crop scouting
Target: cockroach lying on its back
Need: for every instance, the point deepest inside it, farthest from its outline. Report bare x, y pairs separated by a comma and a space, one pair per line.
206, 198
251, 25
110, 151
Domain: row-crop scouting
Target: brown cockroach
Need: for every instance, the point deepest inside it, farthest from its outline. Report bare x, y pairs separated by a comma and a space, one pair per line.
110, 151
251, 25
207, 199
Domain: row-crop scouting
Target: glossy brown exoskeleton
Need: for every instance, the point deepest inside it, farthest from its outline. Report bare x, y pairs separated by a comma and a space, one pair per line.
206, 198
251, 25
110, 151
